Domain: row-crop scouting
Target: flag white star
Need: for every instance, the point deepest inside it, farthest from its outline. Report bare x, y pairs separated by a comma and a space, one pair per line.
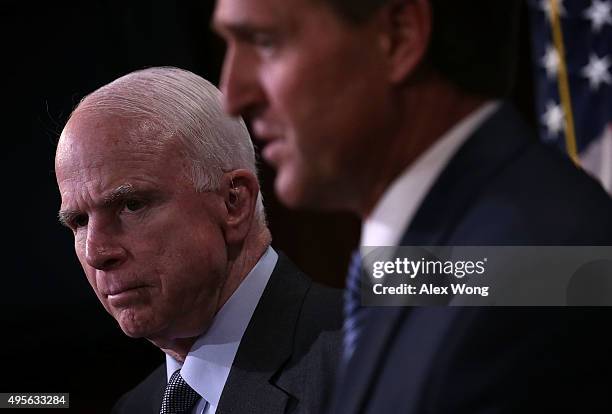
553, 119
546, 7
599, 13
596, 71
550, 61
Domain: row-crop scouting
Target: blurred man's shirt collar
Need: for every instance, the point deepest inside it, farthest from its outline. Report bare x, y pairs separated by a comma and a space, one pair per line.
209, 361
398, 205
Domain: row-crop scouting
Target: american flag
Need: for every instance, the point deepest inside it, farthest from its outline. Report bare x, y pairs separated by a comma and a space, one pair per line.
572, 56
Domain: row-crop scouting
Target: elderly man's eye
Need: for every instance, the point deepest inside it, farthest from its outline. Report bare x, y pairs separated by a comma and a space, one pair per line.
134, 205
80, 220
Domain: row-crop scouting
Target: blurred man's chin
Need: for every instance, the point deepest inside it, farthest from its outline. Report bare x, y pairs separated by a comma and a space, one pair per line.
302, 192
289, 190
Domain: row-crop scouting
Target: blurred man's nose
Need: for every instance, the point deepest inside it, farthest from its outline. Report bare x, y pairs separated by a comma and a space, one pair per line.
102, 250
239, 83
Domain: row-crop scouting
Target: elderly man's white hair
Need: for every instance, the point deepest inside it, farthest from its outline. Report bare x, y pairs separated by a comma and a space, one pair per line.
182, 105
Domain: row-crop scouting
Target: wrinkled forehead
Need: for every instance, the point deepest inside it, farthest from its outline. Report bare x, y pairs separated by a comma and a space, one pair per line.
97, 155
90, 136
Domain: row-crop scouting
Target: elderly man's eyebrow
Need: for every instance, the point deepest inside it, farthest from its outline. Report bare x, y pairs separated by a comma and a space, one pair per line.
115, 196
66, 217
119, 193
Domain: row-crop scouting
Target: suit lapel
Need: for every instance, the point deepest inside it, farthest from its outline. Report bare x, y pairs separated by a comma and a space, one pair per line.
353, 388
497, 142
254, 383
157, 393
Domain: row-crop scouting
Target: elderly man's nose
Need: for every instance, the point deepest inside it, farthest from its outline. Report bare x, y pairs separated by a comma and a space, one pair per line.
102, 251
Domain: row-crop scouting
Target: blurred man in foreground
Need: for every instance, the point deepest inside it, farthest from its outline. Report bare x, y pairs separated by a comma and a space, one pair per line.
393, 109
160, 190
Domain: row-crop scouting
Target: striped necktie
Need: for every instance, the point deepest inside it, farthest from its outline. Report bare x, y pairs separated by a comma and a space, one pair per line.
354, 313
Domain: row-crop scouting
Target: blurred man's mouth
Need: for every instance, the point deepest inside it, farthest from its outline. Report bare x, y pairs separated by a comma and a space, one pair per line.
272, 152
263, 131
273, 143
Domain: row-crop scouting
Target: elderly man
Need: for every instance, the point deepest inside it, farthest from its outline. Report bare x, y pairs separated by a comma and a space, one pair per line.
160, 190
393, 109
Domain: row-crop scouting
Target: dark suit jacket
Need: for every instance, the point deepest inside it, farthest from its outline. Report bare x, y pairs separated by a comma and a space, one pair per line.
287, 359
501, 188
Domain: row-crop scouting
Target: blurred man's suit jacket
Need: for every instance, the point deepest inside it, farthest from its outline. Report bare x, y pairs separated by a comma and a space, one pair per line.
502, 187
287, 359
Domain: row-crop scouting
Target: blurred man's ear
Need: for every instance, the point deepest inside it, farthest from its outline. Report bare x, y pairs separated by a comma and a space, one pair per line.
239, 189
405, 36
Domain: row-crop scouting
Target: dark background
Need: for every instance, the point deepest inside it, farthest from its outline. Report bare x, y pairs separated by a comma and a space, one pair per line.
56, 337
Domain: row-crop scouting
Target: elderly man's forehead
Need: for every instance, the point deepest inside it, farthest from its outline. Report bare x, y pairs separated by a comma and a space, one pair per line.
113, 128
88, 136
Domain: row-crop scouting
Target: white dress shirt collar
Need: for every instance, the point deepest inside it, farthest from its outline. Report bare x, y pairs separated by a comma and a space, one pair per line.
398, 205
210, 359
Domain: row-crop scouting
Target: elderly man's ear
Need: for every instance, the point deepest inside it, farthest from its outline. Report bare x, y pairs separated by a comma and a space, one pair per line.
239, 189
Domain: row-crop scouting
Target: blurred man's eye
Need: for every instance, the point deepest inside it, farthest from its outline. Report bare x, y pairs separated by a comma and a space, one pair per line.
265, 42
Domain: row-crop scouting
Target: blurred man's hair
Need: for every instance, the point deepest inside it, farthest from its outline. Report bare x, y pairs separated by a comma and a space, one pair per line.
474, 43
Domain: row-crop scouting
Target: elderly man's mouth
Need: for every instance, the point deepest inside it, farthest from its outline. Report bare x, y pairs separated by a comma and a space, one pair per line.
125, 296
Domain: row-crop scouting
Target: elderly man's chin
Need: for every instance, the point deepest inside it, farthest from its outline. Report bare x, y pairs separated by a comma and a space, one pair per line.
135, 323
